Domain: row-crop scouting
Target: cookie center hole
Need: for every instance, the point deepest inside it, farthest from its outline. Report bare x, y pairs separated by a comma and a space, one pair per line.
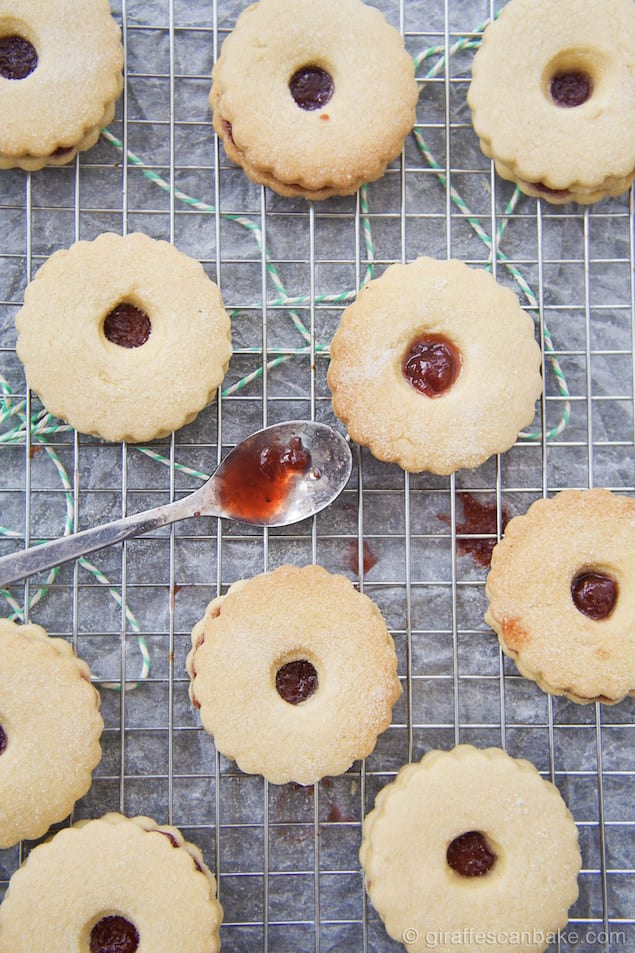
470, 855
3, 740
432, 365
127, 325
296, 681
18, 57
594, 594
570, 88
113, 934
311, 87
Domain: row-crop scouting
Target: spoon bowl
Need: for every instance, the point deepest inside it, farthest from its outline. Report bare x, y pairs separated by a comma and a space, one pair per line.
276, 476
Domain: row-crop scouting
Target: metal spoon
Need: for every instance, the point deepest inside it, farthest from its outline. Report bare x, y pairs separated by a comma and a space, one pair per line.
275, 477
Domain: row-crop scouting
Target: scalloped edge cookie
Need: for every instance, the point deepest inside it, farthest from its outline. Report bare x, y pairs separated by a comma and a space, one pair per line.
531, 608
493, 396
49, 715
114, 866
423, 901
263, 623
61, 107
320, 152
117, 392
579, 153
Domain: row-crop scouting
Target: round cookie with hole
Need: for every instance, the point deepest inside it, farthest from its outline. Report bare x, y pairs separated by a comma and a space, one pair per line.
60, 78
50, 730
435, 366
120, 884
123, 337
471, 847
552, 97
294, 673
568, 620
313, 101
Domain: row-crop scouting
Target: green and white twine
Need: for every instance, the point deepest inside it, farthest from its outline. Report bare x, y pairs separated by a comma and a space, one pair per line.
13, 416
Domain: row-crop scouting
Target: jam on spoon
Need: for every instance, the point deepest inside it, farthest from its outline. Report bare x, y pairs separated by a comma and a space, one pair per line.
255, 482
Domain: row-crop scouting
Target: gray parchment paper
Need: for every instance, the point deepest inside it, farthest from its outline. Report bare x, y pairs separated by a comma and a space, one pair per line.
286, 857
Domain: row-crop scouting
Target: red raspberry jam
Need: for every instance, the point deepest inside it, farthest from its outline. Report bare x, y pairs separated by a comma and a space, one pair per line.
113, 934
255, 484
127, 326
311, 87
296, 681
470, 855
570, 89
594, 594
432, 365
18, 57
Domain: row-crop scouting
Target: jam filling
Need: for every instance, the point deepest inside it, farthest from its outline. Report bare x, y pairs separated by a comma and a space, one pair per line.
470, 855
432, 365
594, 594
62, 151
18, 58
3, 740
545, 190
227, 126
570, 89
296, 681
113, 934
127, 326
256, 483
311, 87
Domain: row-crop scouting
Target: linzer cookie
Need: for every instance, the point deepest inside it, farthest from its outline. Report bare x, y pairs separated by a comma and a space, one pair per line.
467, 844
435, 366
113, 884
125, 338
60, 78
313, 100
50, 728
552, 97
561, 594
294, 673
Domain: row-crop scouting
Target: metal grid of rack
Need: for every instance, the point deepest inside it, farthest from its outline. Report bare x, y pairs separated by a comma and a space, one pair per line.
286, 857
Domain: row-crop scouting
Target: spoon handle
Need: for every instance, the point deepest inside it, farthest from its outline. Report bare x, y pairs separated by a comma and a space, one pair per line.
46, 555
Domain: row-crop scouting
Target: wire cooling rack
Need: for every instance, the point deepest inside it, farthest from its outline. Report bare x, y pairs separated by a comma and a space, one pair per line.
286, 857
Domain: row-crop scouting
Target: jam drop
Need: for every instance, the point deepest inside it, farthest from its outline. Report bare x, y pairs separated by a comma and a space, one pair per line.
113, 934
368, 560
127, 326
296, 681
478, 518
3, 740
470, 855
18, 58
311, 87
570, 89
594, 594
255, 482
431, 365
